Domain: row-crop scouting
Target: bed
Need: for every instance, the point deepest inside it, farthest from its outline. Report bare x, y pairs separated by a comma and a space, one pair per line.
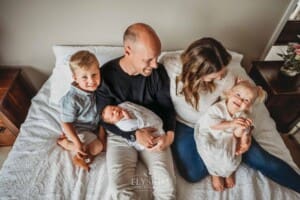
37, 168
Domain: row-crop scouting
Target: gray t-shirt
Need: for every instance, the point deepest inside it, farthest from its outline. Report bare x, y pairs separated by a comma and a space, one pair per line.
79, 107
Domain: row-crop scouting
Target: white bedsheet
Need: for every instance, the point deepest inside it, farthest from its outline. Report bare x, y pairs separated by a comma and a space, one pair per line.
37, 168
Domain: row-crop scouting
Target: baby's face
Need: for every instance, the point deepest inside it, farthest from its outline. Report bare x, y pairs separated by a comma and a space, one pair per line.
112, 114
240, 98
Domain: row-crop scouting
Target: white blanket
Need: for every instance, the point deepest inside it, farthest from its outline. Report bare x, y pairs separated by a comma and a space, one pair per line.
37, 168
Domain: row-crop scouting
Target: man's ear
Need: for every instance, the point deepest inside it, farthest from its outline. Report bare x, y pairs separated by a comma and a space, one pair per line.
127, 50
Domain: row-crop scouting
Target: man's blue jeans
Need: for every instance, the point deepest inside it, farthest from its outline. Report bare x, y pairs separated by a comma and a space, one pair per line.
192, 168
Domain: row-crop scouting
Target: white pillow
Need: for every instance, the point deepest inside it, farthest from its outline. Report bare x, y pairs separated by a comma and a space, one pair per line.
61, 77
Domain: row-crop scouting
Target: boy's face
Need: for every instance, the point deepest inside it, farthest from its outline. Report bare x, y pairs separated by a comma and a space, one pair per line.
240, 99
87, 80
112, 114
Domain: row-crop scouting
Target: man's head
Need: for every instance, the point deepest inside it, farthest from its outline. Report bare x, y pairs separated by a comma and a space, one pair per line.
141, 49
85, 69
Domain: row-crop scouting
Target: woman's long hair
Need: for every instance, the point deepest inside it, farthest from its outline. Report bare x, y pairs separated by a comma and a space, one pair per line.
202, 57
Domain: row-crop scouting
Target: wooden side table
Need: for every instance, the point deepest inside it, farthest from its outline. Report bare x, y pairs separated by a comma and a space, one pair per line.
15, 100
283, 100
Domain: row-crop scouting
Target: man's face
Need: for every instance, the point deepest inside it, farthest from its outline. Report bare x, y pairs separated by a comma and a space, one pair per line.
143, 58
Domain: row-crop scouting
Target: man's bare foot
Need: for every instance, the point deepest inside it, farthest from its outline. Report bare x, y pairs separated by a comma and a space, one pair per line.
217, 183
65, 143
230, 181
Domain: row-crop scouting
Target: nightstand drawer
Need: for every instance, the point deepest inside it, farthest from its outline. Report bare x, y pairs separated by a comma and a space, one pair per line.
7, 138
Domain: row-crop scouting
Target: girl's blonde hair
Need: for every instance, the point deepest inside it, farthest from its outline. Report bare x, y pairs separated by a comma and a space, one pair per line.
82, 60
202, 57
260, 93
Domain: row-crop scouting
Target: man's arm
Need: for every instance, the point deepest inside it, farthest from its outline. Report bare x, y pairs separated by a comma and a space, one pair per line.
165, 110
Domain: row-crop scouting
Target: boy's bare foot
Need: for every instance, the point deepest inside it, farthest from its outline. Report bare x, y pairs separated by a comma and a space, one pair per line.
230, 181
217, 183
80, 162
65, 143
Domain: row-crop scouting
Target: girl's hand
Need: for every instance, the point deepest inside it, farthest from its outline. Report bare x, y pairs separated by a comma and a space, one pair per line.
240, 122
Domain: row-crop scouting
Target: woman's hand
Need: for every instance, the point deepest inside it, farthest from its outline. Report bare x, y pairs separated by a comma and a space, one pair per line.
243, 145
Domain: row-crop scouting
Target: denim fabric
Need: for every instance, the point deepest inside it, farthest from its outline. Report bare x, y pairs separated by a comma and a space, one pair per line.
192, 168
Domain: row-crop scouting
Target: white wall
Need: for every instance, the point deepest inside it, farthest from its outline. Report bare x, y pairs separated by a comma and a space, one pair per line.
29, 28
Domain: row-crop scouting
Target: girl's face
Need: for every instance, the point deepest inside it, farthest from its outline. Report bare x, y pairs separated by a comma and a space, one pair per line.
215, 76
240, 98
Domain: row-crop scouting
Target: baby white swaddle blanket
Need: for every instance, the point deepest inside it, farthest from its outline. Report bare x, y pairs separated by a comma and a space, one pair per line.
141, 117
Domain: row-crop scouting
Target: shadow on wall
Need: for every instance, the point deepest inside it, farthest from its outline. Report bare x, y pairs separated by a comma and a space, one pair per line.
32, 75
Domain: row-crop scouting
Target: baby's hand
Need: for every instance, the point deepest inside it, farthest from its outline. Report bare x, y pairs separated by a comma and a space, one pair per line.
238, 79
126, 114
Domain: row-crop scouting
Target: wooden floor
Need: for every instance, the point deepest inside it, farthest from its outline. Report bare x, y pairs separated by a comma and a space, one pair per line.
293, 146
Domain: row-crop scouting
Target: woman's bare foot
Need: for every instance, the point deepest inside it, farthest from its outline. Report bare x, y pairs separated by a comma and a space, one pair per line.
65, 143
217, 183
230, 181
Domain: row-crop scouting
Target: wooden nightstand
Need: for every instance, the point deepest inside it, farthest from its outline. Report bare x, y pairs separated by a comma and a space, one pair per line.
283, 100
15, 98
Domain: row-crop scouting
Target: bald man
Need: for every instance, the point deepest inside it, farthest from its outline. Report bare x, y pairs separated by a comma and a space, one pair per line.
138, 78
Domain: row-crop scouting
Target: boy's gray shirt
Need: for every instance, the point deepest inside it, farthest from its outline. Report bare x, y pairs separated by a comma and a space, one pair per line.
79, 107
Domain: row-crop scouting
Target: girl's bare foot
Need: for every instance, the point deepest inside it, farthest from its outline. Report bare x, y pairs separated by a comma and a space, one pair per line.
230, 181
217, 183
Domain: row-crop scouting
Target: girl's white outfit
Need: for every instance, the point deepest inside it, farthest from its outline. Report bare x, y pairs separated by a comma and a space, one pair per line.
217, 147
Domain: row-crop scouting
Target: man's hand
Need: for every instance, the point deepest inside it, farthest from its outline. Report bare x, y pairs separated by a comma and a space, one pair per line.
145, 136
163, 141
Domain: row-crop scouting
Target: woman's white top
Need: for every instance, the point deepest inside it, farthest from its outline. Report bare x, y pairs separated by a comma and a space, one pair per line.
185, 112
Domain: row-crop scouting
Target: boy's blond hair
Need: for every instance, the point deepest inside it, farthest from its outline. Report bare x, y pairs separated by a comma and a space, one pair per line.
82, 60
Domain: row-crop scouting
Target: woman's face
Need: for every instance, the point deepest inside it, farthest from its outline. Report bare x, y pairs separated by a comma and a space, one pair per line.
215, 76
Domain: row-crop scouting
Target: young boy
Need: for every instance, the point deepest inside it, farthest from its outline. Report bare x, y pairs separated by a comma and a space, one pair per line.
79, 114
128, 116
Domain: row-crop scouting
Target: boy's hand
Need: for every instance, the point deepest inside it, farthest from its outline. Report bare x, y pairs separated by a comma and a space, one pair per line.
80, 149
